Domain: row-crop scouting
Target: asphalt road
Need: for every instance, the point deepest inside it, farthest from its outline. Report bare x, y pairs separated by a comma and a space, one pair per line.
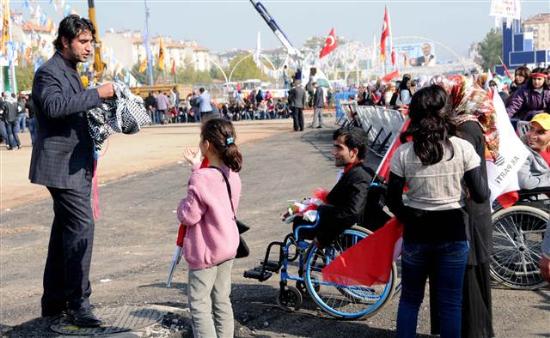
135, 239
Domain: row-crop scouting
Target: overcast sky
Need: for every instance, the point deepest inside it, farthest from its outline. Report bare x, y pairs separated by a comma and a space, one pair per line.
226, 24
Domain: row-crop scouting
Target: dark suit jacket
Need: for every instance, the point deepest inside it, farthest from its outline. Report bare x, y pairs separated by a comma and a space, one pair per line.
318, 98
346, 203
62, 156
297, 97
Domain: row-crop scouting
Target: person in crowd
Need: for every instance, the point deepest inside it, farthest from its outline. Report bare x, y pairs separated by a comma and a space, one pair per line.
262, 110
212, 238
496, 87
280, 109
530, 99
389, 92
151, 106
535, 172
521, 75
162, 107
30, 109
10, 111
63, 161
346, 201
21, 113
3, 123
474, 116
297, 102
404, 91
433, 166
318, 104
204, 101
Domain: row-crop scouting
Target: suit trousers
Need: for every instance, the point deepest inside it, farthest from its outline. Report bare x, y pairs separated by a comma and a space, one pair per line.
298, 118
66, 276
317, 116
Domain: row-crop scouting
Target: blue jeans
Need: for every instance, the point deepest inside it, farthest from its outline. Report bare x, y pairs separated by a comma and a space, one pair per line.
447, 261
12, 129
22, 122
33, 128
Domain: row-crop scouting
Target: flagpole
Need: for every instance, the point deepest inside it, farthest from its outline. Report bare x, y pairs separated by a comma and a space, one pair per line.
11, 72
147, 47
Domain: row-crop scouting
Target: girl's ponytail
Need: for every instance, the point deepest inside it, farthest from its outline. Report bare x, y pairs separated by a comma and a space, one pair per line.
221, 134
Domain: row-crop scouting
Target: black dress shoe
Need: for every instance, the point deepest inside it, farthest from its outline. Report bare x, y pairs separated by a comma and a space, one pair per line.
83, 318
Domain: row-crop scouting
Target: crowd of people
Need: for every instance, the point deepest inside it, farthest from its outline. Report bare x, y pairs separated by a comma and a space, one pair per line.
168, 107
16, 116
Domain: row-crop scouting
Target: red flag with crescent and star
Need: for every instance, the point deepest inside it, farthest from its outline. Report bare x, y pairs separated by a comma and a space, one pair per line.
330, 44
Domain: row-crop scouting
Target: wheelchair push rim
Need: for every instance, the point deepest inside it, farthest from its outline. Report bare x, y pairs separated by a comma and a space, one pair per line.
344, 302
518, 233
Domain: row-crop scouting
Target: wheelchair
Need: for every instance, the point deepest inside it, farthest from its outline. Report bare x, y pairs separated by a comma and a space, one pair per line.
301, 261
518, 232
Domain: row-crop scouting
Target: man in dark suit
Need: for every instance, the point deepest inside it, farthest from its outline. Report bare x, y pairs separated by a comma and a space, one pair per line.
318, 104
346, 201
63, 161
297, 101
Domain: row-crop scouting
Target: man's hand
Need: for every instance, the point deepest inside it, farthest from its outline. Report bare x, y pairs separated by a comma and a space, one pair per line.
106, 91
192, 156
544, 265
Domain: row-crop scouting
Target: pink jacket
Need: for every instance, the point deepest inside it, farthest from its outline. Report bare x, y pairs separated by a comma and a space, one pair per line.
212, 236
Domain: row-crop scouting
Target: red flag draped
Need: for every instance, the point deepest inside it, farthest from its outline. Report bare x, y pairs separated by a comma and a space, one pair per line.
390, 76
369, 261
330, 44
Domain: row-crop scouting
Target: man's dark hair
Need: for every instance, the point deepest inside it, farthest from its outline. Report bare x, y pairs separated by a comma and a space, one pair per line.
354, 138
70, 27
201, 90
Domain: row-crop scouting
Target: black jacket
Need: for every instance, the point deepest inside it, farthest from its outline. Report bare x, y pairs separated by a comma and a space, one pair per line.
346, 203
63, 153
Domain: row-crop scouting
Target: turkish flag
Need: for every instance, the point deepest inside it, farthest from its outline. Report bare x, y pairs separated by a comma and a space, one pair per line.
390, 76
330, 44
385, 34
368, 262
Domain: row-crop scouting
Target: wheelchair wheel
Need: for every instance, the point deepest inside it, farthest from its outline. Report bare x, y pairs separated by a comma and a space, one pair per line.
290, 298
345, 302
518, 233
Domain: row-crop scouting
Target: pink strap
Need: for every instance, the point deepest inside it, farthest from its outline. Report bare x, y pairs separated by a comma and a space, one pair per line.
95, 193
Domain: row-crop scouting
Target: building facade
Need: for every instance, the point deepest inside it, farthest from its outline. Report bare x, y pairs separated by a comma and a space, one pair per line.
539, 26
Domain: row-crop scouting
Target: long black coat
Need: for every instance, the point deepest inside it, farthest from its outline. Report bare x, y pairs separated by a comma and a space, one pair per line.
346, 203
62, 156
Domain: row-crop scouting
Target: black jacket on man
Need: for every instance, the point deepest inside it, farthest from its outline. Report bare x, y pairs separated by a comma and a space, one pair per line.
62, 156
345, 204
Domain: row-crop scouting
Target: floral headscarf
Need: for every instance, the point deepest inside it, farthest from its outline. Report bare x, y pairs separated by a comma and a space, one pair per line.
469, 102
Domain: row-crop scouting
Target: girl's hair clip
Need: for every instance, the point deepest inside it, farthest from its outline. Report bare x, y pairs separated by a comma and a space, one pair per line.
229, 141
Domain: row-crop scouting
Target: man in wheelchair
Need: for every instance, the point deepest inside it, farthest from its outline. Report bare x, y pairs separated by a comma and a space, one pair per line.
346, 201
535, 172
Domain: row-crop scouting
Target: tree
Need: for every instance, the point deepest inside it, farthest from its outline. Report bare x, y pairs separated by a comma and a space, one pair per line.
24, 76
490, 49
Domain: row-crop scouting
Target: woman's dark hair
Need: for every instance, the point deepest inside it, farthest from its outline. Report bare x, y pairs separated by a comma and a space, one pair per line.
70, 27
430, 126
523, 71
405, 82
537, 70
354, 138
221, 135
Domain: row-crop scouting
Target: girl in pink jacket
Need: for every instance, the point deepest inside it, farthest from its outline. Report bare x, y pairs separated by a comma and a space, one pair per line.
212, 237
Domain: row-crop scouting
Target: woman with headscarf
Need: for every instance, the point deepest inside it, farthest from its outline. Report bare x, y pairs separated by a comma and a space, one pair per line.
474, 115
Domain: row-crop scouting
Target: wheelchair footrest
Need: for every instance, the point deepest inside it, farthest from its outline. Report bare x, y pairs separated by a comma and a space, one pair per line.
258, 273
271, 266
